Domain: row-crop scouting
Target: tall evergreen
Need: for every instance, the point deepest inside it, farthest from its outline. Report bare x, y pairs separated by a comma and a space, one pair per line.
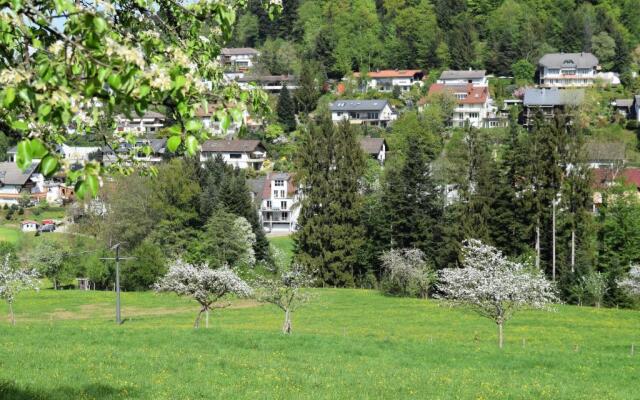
286, 110
307, 95
331, 239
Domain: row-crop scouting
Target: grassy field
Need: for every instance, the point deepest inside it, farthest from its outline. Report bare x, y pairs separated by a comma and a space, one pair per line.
347, 344
10, 234
284, 244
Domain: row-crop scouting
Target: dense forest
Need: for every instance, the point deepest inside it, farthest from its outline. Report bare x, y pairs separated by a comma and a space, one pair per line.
355, 35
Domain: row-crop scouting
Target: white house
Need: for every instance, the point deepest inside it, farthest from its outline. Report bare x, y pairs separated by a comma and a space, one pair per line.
150, 123
239, 58
365, 112
29, 226
462, 78
214, 127
268, 83
236, 152
474, 105
375, 148
278, 199
78, 154
560, 70
549, 102
14, 183
385, 80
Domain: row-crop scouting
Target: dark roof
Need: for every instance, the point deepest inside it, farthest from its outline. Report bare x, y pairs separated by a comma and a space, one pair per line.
239, 145
552, 97
358, 105
158, 145
468, 74
605, 151
147, 115
10, 174
372, 145
268, 78
575, 60
626, 103
257, 187
234, 51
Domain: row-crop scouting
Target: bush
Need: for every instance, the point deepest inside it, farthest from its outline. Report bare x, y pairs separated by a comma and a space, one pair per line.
144, 270
21, 211
406, 273
6, 206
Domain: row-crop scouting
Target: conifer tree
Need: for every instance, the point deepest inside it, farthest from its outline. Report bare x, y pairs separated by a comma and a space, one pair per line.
331, 238
307, 94
286, 110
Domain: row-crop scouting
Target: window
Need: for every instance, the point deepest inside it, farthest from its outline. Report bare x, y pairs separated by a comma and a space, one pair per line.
372, 115
461, 96
473, 115
268, 203
282, 194
354, 115
278, 182
275, 194
235, 155
283, 205
285, 215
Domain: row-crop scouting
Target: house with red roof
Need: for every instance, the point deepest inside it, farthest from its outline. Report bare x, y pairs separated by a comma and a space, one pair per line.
385, 80
474, 105
604, 178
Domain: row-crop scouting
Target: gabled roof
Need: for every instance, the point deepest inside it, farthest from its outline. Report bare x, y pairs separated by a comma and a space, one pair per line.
235, 51
604, 176
257, 187
358, 105
235, 145
284, 176
626, 103
468, 74
392, 73
575, 60
474, 94
614, 151
553, 97
10, 174
372, 146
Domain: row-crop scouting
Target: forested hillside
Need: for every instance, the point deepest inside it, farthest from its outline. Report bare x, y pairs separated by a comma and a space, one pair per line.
344, 36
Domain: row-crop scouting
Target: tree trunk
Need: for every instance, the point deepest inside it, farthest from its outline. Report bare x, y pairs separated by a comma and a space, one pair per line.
197, 323
13, 318
206, 319
573, 250
286, 328
538, 245
500, 335
55, 284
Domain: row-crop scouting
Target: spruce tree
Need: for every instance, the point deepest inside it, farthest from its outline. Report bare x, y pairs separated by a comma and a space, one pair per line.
331, 239
308, 93
286, 110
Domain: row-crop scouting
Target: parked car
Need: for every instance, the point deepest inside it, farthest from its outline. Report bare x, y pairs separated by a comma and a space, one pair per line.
47, 228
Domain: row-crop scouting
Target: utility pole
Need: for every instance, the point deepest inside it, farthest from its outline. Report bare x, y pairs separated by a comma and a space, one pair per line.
117, 260
553, 243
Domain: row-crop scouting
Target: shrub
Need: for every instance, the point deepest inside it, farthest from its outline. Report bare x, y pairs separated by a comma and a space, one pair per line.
406, 273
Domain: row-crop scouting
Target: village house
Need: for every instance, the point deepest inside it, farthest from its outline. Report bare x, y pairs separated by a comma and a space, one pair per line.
158, 153
150, 123
474, 105
624, 107
14, 183
213, 127
365, 112
549, 102
239, 153
375, 148
277, 198
477, 78
610, 155
269, 83
561, 70
604, 178
239, 59
29, 226
386, 80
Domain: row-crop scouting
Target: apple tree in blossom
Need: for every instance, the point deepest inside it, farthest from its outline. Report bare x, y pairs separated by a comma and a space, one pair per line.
494, 286
205, 285
632, 282
14, 281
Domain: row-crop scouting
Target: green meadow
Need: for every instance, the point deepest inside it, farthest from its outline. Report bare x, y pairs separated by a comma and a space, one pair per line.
354, 344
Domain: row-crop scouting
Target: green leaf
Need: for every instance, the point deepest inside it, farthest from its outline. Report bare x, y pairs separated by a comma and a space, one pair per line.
81, 189
65, 116
193, 125
99, 24
9, 96
225, 122
114, 81
144, 90
49, 165
44, 109
192, 145
20, 125
38, 150
93, 184
23, 156
179, 81
236, 114
173, 143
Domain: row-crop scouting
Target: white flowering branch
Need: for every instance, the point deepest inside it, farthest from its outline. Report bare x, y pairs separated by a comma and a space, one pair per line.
632, 282
14, 281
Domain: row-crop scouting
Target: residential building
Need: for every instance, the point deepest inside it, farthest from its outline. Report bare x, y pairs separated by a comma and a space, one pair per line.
474, 105
15, 183
277, 197
610, 155
462, 78
549, 102
375, 148
29, 226
239, 59
158, 151
604, 178
150, 123
214, 127
365, 112
624, 107
268, 83
239, 153
561, 70
387, 79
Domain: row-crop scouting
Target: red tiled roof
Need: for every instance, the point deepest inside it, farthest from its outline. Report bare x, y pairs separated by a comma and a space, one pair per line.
604, 176
391, 73
475, 95
291, 187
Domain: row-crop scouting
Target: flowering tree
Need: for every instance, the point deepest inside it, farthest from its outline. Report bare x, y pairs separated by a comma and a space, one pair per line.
407, 272
204, 284
494, 286
13, 281
286, 292
632, 282
66, 66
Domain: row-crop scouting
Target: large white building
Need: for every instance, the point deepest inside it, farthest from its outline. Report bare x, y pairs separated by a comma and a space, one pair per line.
278, 199
365, 112
239, 59
387, 79
15, 183
462, 78
561, 70
474, 105
236, 152
149, 124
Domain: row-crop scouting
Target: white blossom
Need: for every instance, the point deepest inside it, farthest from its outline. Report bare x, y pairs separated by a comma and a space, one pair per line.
14, 281
202, 283
632, 282
407, 270
494, 286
